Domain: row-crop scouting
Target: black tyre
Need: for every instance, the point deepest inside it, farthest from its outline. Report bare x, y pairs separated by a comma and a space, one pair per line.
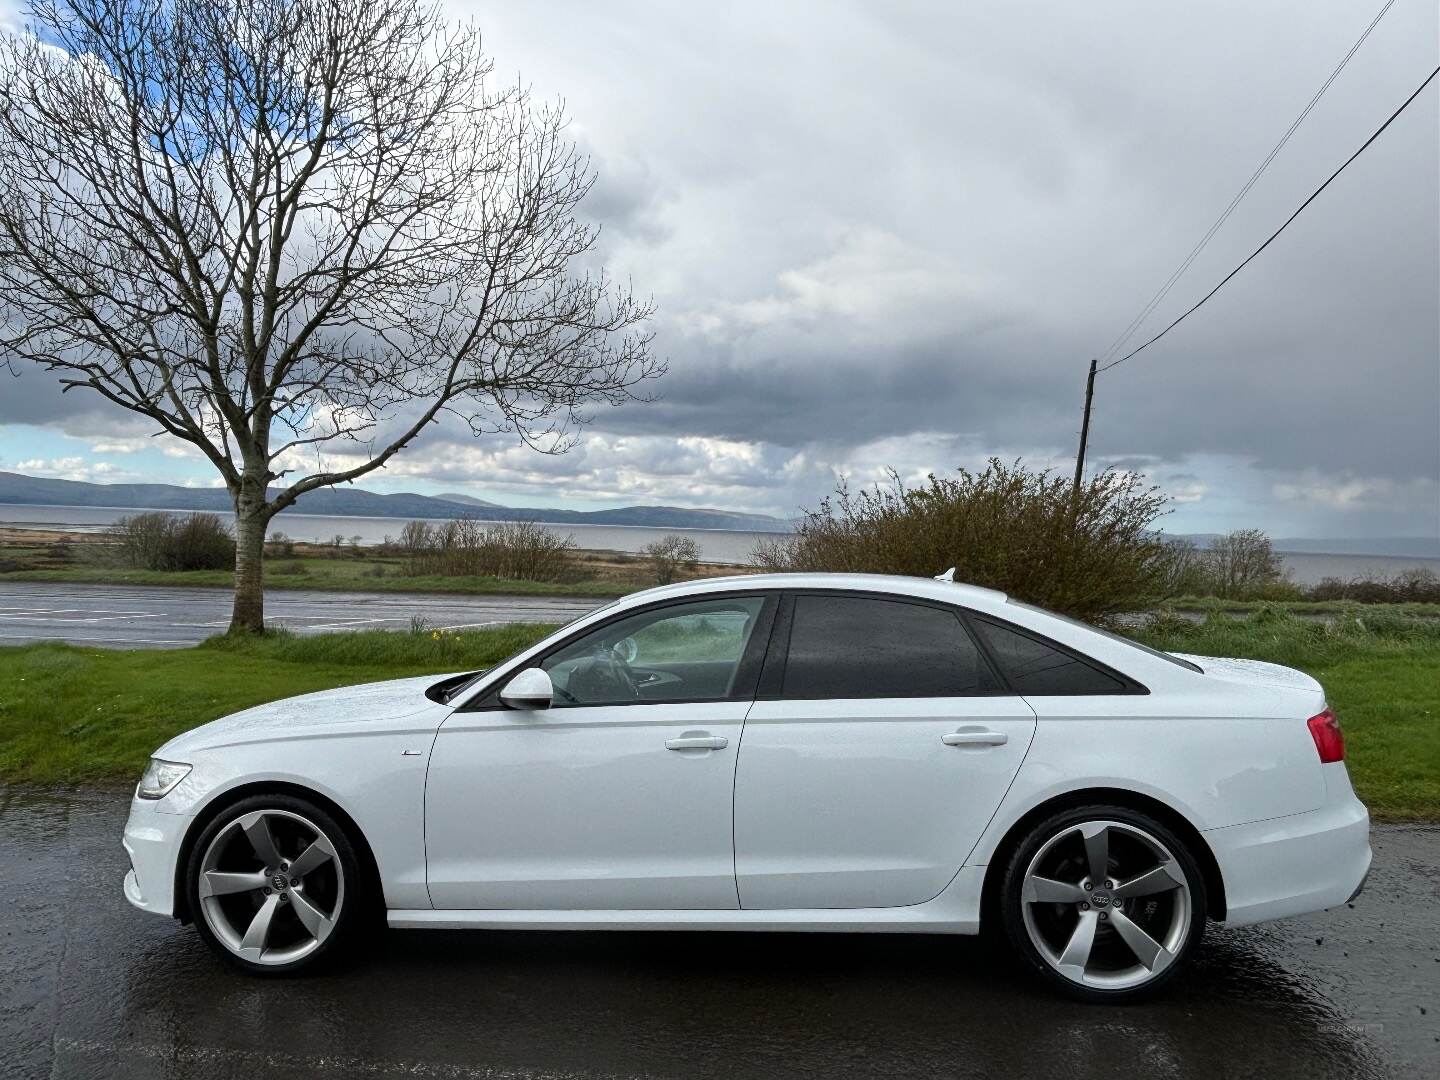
1103, 903
275, 886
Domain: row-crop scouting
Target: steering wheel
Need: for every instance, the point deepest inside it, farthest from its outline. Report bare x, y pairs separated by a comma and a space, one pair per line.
619, 671
603, 677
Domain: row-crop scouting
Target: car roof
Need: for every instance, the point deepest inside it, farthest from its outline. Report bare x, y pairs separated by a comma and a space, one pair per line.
891, 584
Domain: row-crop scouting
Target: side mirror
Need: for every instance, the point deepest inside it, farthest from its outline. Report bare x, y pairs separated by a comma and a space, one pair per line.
531, 689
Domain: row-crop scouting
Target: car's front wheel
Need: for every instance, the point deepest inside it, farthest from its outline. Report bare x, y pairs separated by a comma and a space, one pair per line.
275, 885
1105, 903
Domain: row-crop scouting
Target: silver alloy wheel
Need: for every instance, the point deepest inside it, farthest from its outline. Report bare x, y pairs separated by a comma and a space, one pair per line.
271, 887
1106, 905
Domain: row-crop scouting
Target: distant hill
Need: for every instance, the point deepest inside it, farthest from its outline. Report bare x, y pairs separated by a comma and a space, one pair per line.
468, 500
356, 502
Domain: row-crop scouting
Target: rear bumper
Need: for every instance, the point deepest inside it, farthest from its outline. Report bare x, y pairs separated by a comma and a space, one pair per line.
1297, 864
152, 839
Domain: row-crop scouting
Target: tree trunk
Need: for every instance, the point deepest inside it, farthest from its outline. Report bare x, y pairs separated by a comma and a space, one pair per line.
248, 613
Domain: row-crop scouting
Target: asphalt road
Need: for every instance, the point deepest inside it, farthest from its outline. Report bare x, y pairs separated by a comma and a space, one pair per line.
120, 616
90, 987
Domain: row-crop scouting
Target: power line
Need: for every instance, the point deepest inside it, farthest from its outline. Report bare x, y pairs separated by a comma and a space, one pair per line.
1185, 264
1313, 196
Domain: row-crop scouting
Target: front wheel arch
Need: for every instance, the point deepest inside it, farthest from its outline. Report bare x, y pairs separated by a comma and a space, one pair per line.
1133, 800
369, 868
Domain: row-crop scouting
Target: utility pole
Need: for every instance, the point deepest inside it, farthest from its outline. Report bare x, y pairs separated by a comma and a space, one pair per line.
1085, 427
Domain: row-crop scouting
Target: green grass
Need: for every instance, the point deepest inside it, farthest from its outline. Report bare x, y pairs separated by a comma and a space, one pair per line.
1381, 674
73, 715
1208, 604
349, 575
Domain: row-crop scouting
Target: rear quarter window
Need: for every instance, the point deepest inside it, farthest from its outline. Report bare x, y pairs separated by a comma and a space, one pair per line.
1036, 667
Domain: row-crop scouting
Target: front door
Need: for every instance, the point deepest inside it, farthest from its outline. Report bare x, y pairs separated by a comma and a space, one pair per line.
885, 751
618, 796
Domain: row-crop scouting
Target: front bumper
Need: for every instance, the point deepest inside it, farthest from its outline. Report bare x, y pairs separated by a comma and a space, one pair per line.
152, 839
1297, 864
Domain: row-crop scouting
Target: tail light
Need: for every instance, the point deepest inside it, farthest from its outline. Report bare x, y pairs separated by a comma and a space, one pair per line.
1329, 740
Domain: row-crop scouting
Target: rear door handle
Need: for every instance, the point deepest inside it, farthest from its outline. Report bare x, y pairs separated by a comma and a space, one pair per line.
697, 742
975, 738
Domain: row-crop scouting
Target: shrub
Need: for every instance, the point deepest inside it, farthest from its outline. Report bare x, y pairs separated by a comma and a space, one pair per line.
1088, 553
774, 554
280, 546
160, 541
1412, 585
292, 569
520, 551
143, 539
1180, 569
670, 555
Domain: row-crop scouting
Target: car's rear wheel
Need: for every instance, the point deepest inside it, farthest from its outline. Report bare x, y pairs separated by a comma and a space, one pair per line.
274, 885
1103, 902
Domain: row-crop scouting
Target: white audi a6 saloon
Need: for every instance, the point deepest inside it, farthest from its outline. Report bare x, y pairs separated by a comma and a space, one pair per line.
782, 752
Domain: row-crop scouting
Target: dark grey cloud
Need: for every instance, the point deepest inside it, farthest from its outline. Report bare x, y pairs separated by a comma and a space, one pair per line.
1064, 158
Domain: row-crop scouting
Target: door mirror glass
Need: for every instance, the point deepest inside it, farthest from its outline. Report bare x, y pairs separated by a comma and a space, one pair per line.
531, 689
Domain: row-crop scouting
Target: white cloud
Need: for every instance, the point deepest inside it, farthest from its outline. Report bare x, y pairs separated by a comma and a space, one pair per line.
1357, 494
64, 468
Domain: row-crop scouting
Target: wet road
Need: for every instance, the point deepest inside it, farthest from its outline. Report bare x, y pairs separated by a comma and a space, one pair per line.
119, 616
90, 987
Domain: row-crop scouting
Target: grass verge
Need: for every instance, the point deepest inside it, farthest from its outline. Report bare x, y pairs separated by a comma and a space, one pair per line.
75, 715
1206, 605
330, 575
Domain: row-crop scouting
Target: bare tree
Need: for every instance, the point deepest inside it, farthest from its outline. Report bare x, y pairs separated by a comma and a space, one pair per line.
1241, 564
670, 555
293, 233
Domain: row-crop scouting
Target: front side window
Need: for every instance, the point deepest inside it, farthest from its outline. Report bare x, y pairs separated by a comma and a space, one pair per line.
683, 652
1033, 667
858, 647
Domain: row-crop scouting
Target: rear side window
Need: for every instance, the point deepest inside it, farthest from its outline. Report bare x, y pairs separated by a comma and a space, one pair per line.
856, 647
1034, 667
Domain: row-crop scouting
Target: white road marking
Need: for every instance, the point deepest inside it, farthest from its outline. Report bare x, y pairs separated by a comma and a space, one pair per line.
296, 1065
11, 613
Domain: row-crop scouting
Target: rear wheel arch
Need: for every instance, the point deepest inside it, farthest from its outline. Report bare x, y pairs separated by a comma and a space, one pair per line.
1134, 800
369, 868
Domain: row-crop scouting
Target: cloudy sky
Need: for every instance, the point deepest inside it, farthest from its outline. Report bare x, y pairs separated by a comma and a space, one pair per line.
892, 235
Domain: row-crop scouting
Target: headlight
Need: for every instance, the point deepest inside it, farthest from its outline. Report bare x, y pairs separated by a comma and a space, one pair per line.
160, 778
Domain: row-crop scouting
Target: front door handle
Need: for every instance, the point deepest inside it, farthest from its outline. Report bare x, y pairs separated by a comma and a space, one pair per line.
975, 738
697, 742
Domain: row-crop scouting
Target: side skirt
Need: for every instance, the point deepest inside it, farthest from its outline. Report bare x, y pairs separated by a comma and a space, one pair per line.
954, 911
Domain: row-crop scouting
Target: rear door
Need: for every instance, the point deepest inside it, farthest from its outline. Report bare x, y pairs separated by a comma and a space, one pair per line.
881, 746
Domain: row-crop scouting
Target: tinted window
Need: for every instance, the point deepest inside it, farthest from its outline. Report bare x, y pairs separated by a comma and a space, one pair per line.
855, 647
1113, 637
1034, 667
683, 652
